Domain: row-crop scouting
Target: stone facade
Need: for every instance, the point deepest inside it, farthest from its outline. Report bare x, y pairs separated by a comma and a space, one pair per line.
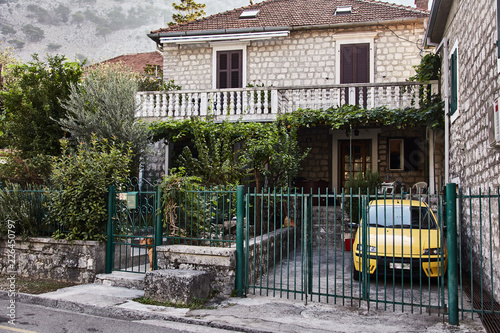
305, 58
472, 162
46, 258
471, 32
317, 166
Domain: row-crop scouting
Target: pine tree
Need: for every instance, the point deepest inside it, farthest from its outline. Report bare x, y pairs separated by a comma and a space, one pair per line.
188, 11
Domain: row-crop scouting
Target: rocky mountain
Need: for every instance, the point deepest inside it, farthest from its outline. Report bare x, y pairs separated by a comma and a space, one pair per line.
95, 30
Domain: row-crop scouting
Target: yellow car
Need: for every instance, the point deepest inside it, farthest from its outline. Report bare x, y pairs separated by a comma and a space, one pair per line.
402, 237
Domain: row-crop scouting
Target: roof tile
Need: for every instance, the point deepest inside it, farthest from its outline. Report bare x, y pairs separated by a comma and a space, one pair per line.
297, 13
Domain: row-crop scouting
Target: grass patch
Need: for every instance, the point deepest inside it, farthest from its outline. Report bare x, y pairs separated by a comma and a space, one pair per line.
34, 287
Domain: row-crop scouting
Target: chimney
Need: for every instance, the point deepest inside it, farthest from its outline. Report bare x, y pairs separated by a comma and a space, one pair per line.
422, 4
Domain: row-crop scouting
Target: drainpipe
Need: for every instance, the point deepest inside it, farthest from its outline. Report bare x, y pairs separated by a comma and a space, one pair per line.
446, 83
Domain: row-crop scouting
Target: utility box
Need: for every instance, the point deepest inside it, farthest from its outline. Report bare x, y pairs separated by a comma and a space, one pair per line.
131, 199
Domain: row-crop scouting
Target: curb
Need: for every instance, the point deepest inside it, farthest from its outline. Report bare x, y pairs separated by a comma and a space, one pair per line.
117, 312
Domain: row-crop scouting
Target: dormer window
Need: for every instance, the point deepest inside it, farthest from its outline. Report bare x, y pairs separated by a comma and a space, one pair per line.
248, 14
343, 10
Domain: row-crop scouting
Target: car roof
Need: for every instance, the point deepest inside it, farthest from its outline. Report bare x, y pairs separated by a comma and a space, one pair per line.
398, 202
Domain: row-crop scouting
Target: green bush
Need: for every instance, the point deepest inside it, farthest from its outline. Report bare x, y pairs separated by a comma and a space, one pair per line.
193, 211
23, 209
33, 170
83, 179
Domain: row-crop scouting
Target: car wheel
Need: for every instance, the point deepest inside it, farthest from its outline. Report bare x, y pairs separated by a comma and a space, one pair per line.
355, 273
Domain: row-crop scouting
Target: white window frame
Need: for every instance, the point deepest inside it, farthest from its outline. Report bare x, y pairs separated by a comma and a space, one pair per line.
456, 114
229, 47
355, 38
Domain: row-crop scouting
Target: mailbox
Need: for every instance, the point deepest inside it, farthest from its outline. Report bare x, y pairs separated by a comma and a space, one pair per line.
131, 199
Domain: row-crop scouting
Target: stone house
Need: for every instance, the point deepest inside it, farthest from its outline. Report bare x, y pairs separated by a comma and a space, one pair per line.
291, 54
465, 34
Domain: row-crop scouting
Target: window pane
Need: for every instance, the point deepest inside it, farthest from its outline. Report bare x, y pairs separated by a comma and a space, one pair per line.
395, 154
223, 61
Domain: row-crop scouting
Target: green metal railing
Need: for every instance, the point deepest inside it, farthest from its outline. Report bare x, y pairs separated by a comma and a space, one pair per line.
204, 216
478, 235
312, 261
28, 204
134, 227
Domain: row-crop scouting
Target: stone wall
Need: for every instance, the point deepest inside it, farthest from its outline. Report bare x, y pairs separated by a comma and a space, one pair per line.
306, 57
46, 258
221, 262
418, 155
471, 31
317, 165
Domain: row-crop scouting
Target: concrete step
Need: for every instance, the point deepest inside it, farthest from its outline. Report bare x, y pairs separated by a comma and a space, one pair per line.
122, 279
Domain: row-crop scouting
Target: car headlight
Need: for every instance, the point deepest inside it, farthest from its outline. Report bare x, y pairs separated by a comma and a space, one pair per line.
433, 252
369, 248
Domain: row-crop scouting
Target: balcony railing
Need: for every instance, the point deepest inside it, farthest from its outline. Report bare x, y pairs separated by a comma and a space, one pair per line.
266, 103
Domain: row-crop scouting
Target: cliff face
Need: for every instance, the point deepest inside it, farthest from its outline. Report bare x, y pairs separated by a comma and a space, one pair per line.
95, 30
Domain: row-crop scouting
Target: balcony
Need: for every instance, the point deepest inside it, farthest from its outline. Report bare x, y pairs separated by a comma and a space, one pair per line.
266, 103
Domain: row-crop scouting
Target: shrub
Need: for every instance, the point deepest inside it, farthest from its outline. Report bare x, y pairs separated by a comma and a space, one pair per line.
83, 179
15, 169
24, 209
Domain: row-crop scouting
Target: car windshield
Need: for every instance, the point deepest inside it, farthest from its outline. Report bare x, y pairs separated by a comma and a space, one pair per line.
393, 216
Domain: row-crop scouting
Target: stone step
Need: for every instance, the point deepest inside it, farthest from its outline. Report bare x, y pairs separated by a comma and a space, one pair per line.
122, 279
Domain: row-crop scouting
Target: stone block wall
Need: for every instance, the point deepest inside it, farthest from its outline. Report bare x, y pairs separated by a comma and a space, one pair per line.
317, 165
471, 31
408, 177
46, 258
220, 263
306, 57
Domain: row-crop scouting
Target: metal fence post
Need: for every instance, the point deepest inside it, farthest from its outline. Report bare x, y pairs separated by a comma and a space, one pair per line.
451, 229
240, 215
109, 230
159, 224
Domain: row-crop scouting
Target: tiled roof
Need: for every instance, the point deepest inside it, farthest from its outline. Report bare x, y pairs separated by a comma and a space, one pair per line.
299, 13
138, 61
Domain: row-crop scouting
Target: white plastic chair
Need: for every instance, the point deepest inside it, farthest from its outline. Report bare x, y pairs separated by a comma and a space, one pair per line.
419, 188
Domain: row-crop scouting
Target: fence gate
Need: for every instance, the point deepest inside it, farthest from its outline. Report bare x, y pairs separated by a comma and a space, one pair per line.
300, 247
134, 227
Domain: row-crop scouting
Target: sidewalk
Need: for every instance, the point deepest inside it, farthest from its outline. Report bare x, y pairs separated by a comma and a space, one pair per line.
250, 314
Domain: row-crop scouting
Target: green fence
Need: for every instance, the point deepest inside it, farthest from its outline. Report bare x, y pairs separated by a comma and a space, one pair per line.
478, 253
28, 206
305, 251
303, 246
134, 226
204, 216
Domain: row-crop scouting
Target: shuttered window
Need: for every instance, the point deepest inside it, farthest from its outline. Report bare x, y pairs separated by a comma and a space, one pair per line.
453, 83
355, 63
229, 69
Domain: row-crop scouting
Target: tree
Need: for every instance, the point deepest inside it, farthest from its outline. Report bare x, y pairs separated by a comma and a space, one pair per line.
213, 158
32, 107
152, 80
6, 59
105, 104
188, 11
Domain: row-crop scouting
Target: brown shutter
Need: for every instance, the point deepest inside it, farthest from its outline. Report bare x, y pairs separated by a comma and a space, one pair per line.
229, 69
354, 63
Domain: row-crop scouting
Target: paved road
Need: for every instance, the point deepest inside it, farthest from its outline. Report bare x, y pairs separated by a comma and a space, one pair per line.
33, 318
